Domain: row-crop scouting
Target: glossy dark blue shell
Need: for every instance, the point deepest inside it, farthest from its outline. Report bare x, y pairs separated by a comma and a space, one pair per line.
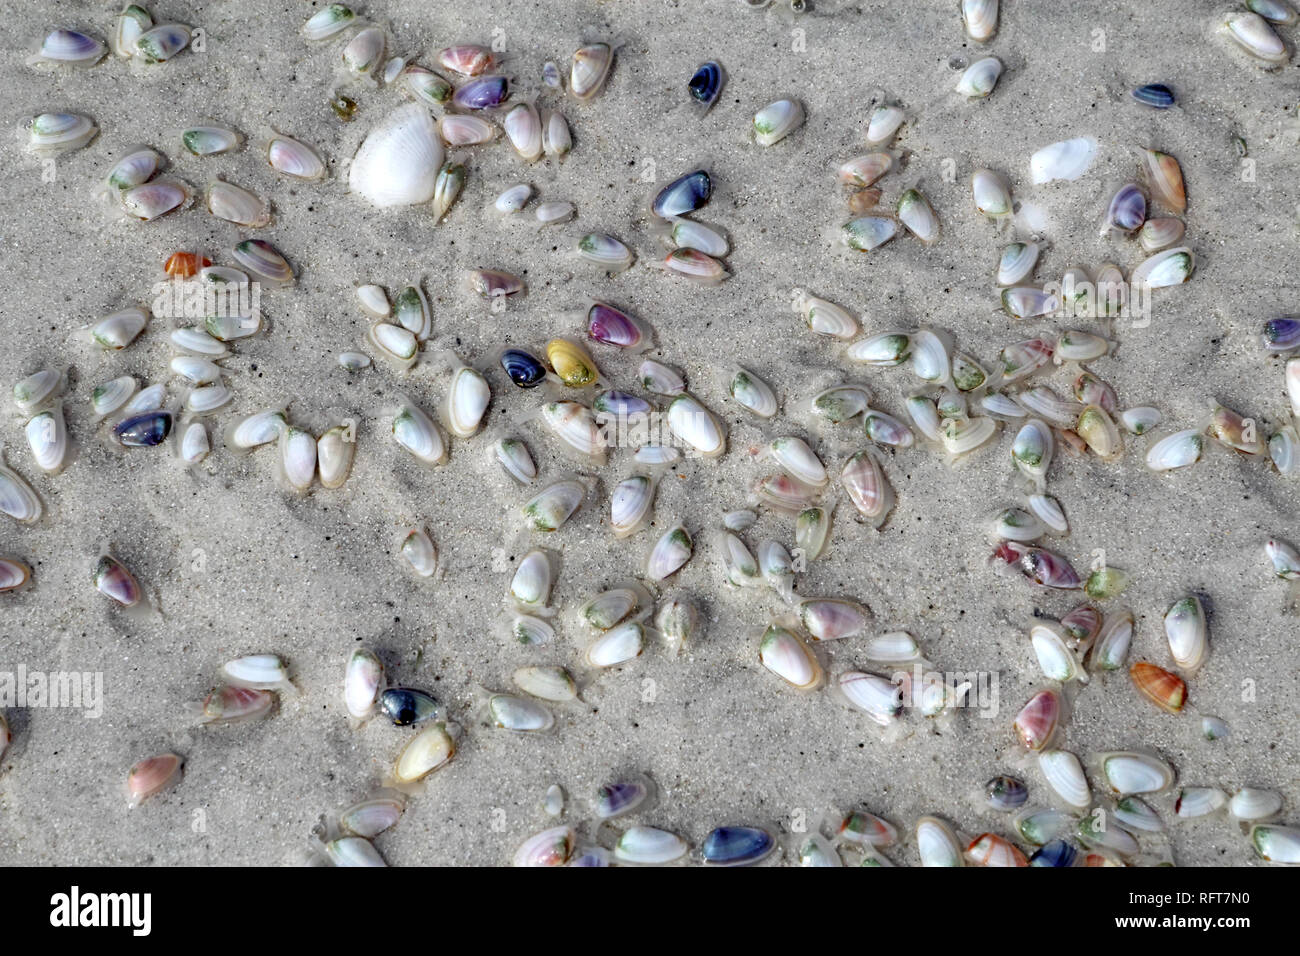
736, 846
683, 195
1155, 95
1282, 335
524, 368
144, 431
1058, 853
483, 93
404, 705
706, 84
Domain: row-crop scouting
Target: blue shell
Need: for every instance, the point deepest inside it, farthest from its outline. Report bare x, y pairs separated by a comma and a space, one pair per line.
1006, 793
524, 369
1058, 853
615, 402
683, 195
1282, 335
1156, 95
736, 846
403, 705
706, 84
144, 431
483, 93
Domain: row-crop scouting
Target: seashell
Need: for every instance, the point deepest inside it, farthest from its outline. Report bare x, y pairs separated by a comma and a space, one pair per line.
111, 396
128, 27
1098, 430
424, 753
832, 619
683, 195
930, 361
1165, 178
1166, 690
816, 850
884, 123
1038, 720
882, 349
893, 647
962, 436
670, 553
1251, 804
34, 390
794, 455
257, 672
467, 401
991, 194
361, 683
1136, 815
777, 568
328, 22
512, 200
605, 251
120, 329
47, 436
552, 847
950, 404
1233, 431
867, 487
979, 79
420, 553
416, 432
1252, 33
1016, 263
519, 714
1024, 358
696, 426
152, 775
260, 428
557, 141
1096, 833
233, 204
467, 59
364, 52
612, 326
617, 646
398, 161
685, 234
551, 75
523, 128
1212, 728
736, 846
621, 798
1055, 658
1157, 234
1066, 160
980, 18
1135, 773
206, 399
530, 631
784, 493
546, 682
1276, 844
1199, 801
195, 445
133, 169
1044, 402
1156, 95
1284, 558
524, 369
777, 120
293, 158
916, 213
1041, 826
1282, 335
589, 69
264, 262
515, 458
372, 816
839, 403
424, 86
484, 92
705, 85
1039, 565
1176, 451
405, 706
210, 140
752, 393
159, 44
150, 200
936, 843
868, 232
862, 171
113, 580
997, 405
1032, 448
622, 405
575, 425
1127, 210
649, 846
812, 529
54, 133
1284, 450
1006, 793
864, 828
1029, 302
631, 504
1075, 346
696, 266
554, 505
676, 623
1113, 641
1274, 11
1064, 775
461, 130
297, 457
1187, 632
886, 429
1057, 853
789, 658
738, 565
877, 697
989, 849
145, 430
551, 213
1293, 384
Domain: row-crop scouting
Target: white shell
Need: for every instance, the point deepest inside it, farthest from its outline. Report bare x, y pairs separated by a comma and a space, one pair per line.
575, 425
660, 379
1048, 510
827, 318
198, 342
420, 553
524, 130
35, 389
235, 204
617, 646
551, 213
991, 194
631, 504
980, 17
195, 370
1254, 35
884, 123
878, 697
557, 140
297, 457
109, 397
519, 714
1199, 801
546, 683
529, 630
457, 129
398, 162
195, 445
554, 505
467, 401
785, 654
776, 121
1064, 774
416, 432
738, 564
649, 846
260, 428
752, 393
120, 329
328, 21
354, 361
892, 647
800, 461
930, 360
670, 553
47, 436
1293, 384
695, 425
146, 400
980, 78
394, 343
936, 843
208, 398
1249, 803
515, 458
1187, 632
1067, 160
334, 453
374, 301
1055, 658
1168, 268
295, 159
1128, 772
1176, 451
531, 584
513, 199
257, 671
589, 69
362, 681
17, 499
1016, 263
53, 133
364, 51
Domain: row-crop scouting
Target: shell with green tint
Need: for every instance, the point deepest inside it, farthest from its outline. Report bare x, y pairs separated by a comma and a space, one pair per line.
812, 528
328, 22
868, 232
605, 251
883, 349
446, 188
130, 25
839, 403
554, 505
776, 121
1099, 431
211, 140
1032, 448
53, 133
416, 432
424, 85
670, 553
412, 312
752, 393
967, 374
120, 329
1105, 583
916, 213
572, 363
162, 42
1276, 844
134, 168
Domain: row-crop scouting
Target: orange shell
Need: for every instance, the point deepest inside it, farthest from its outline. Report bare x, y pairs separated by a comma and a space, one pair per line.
1167, 691
989, 849
186, 264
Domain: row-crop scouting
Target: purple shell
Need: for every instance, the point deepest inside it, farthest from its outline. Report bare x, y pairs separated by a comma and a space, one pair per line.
608, 325
482, 94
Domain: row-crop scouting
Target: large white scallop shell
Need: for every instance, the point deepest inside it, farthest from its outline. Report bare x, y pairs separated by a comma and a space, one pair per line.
398, 162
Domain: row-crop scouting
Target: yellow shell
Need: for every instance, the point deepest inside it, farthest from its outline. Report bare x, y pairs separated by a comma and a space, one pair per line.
572, 363
424, 753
